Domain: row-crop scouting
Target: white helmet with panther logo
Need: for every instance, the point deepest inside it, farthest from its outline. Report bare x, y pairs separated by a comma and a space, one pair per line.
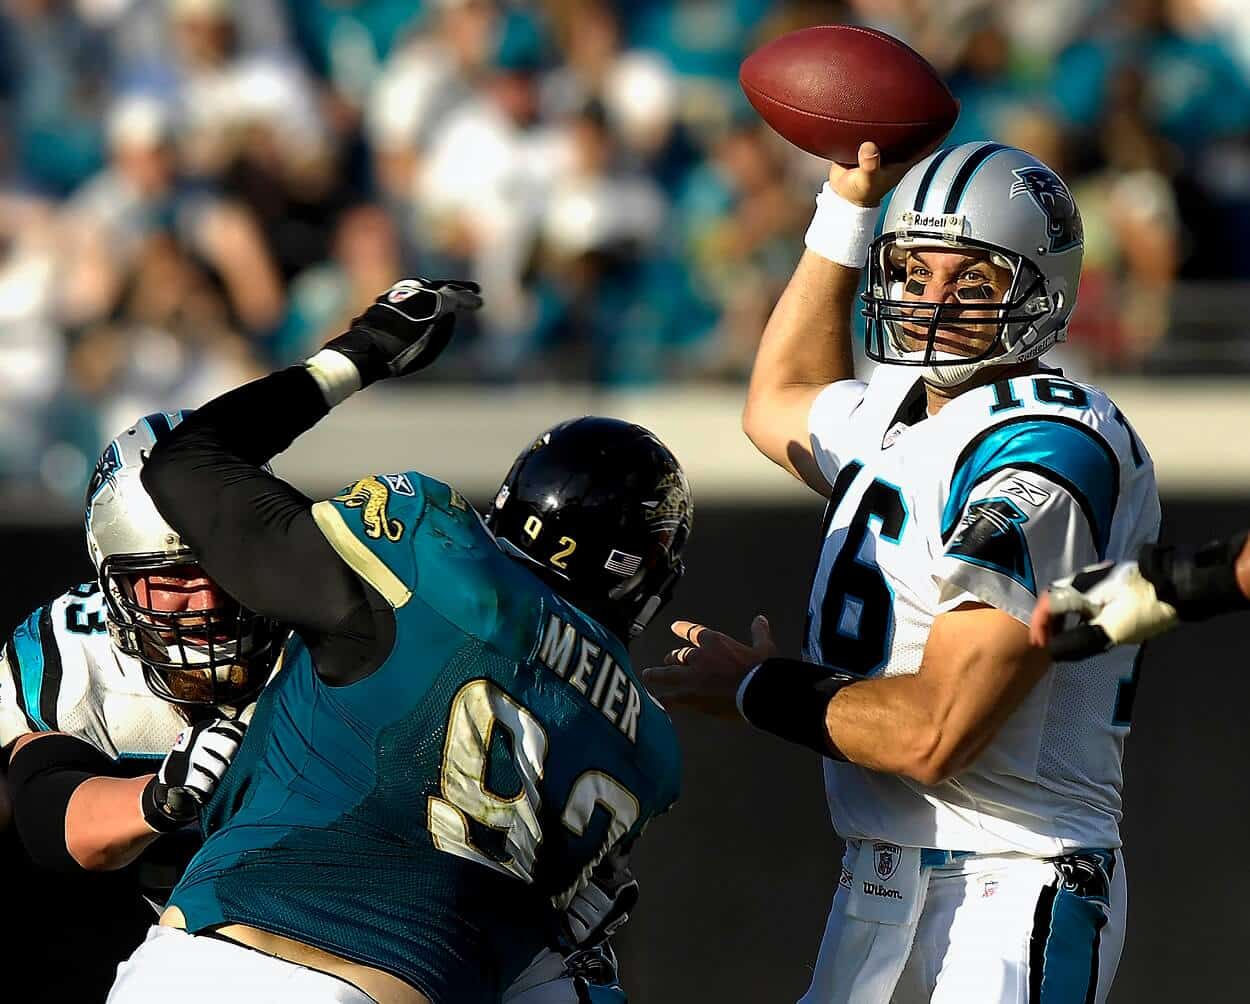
990, 200
211, 656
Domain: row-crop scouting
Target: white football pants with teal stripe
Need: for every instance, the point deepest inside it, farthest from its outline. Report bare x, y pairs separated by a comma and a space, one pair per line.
992, 930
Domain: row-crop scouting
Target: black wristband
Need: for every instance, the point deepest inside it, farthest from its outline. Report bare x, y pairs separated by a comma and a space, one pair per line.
1201, 586
789, 698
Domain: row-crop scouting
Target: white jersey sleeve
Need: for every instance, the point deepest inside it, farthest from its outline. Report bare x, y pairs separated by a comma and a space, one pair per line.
1030, 500
13, 721
61, 673
828, 423
1017, 532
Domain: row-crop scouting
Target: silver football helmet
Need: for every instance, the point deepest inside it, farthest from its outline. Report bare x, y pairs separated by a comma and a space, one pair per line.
989, 200
215, 656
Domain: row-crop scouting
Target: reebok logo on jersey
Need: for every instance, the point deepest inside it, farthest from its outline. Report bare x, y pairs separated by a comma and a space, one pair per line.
400, 484
1022, 489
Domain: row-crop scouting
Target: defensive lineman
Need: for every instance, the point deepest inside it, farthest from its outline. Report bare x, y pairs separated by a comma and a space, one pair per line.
979, 795
455, 748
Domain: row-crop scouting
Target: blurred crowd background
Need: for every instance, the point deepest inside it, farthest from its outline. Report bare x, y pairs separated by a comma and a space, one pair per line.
195, 191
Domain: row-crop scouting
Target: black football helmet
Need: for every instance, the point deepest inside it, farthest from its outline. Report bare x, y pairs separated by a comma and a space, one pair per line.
601, 510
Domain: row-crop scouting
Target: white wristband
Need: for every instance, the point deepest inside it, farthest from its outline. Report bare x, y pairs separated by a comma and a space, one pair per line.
335, 374
841, 231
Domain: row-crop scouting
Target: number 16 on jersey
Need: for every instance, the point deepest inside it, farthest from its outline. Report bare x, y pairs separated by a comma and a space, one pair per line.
857, 610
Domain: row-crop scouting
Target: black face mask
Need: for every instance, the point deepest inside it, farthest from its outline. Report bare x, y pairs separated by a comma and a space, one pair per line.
1023, 303
215, 656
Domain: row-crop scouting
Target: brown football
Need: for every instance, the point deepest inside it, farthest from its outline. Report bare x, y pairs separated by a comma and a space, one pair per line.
830, 88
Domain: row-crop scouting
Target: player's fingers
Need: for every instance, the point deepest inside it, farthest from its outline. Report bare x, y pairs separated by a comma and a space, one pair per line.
761, 634
665, 682
869, 156
689, 631
679, 656
1067, 600
1081, 642
1039, 623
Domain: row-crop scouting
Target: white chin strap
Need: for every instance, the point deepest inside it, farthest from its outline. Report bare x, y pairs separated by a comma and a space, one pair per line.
956, 373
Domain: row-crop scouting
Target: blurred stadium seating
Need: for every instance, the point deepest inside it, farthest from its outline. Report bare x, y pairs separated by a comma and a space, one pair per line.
197, 190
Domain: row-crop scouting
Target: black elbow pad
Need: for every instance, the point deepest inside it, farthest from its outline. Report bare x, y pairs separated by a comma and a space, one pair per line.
43, 775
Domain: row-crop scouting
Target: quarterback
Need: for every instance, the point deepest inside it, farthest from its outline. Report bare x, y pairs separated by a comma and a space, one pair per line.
978, 794
435, 800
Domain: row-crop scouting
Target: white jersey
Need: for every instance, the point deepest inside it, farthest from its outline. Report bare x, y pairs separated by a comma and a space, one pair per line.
1007, 488
60, 672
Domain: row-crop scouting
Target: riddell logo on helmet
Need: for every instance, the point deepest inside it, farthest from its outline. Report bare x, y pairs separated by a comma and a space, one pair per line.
948, 223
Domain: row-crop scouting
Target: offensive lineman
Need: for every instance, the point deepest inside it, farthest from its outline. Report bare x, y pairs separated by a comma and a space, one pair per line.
1130, 602
99, 684
978, 795
455, 748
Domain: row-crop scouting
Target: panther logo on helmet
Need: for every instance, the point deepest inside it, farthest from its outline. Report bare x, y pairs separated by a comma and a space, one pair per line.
1051, 196
105, 473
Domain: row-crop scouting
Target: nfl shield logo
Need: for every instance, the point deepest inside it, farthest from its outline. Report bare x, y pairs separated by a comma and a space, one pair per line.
885, 858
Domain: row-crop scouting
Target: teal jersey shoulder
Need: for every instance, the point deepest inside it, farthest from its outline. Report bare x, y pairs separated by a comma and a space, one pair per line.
434, 818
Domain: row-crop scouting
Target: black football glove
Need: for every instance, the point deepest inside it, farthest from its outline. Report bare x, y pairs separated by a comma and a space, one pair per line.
190, 773
406, 328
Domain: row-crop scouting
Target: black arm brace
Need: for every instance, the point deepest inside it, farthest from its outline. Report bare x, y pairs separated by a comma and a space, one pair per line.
1200, 586
255, 534
789, 698
43, 775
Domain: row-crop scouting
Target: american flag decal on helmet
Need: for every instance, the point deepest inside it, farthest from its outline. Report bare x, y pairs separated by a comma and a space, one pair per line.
623, 564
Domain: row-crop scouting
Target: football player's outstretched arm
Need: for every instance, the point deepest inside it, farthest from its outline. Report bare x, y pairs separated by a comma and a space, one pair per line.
1129, 602
254, 533
977, 667
72, 813
807, 342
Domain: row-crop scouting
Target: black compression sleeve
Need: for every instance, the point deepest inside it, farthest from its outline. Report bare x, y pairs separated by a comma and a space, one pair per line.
43, 775
254, 533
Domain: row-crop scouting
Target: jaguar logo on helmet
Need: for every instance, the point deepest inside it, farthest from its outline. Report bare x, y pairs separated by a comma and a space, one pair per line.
1051, 196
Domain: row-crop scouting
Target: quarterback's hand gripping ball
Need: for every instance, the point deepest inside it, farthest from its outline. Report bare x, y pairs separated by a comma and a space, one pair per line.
1114, 604
407, 327
190, 773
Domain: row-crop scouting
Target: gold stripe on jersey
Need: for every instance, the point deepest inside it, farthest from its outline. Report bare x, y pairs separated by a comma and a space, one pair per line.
359, 558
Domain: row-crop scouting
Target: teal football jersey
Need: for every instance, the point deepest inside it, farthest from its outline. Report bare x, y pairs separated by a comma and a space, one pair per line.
434, 819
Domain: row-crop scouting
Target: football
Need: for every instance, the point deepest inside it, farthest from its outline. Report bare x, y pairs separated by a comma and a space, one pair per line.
830, 88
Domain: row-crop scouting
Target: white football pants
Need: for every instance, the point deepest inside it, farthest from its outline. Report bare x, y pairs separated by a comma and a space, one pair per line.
992, 930
172, 965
